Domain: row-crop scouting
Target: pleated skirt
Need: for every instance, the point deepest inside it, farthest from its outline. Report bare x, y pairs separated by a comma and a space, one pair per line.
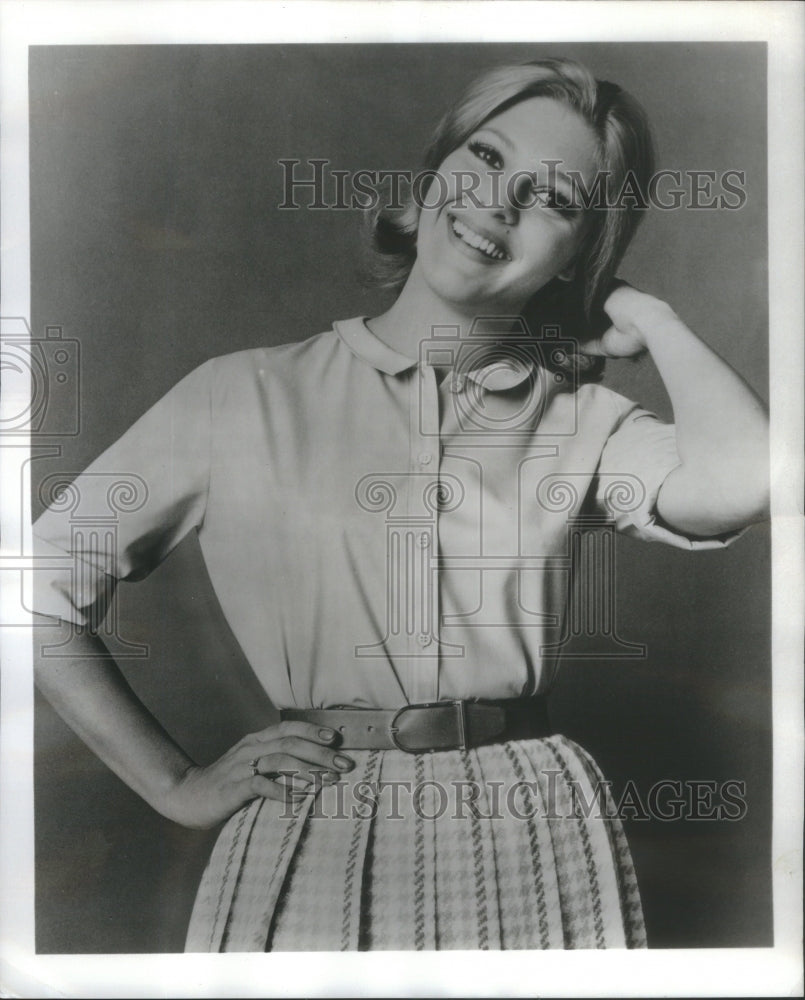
515, 845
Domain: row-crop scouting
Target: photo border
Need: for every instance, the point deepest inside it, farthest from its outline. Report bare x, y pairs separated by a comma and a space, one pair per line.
703, 972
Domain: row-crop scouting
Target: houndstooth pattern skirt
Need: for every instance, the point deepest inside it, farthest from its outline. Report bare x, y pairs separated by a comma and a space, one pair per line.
514, 845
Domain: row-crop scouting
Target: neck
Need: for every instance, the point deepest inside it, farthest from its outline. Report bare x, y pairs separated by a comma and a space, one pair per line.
414, 314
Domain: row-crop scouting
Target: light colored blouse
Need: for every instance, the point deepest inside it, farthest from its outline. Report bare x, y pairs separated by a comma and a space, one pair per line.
377, 531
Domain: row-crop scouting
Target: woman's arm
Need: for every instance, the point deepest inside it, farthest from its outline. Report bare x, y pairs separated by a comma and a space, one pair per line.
91, 694
722, 483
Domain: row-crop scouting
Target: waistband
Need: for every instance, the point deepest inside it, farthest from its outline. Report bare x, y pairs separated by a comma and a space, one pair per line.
429, 726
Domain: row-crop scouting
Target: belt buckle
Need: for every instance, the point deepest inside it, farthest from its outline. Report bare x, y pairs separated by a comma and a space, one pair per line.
461, 719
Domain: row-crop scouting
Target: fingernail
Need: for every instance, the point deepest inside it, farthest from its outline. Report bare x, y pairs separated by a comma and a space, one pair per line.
329, 778
343, 763
326, 734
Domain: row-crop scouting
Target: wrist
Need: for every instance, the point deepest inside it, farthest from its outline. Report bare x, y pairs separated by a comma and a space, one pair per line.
171, 798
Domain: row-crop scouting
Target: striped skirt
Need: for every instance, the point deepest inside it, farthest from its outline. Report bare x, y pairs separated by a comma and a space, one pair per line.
514, 845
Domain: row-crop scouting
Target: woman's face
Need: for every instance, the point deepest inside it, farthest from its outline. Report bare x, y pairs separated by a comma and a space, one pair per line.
493, 247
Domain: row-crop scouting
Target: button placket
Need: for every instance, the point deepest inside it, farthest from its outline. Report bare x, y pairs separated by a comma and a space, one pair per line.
424, 489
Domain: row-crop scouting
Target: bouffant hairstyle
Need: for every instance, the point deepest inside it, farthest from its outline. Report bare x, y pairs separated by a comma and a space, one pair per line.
624, 155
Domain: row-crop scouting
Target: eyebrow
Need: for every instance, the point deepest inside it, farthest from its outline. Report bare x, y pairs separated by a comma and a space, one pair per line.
504, 139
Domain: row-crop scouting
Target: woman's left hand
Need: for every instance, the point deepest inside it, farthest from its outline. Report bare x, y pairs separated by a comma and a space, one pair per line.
632, 312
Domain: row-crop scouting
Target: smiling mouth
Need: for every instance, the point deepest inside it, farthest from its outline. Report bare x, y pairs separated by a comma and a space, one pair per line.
482, 244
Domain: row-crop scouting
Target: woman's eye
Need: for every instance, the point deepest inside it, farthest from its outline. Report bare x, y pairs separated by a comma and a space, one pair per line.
486, 153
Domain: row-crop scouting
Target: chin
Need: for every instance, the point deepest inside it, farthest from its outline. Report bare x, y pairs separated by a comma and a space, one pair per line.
464, 294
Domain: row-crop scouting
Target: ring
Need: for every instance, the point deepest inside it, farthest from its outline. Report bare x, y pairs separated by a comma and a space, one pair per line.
253, 765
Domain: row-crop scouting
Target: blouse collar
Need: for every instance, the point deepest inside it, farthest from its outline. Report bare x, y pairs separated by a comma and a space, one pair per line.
496, 376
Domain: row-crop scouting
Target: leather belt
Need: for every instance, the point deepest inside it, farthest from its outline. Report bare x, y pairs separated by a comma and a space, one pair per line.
440, 725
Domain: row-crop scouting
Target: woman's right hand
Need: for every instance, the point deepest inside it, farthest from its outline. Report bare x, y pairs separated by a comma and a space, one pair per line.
291, 759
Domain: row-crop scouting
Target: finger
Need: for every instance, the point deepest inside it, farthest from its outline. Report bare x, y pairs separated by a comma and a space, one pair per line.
306, 752
614, 343
298, 760
305, 730
242, 775
600, 346
267, 789
299, 781
284, 768
280, 792
594, 348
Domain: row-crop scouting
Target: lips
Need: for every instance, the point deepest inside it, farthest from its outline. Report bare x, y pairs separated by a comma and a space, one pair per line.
479, 241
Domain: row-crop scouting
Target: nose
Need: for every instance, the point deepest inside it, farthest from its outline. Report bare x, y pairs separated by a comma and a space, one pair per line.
505, 212
513, 195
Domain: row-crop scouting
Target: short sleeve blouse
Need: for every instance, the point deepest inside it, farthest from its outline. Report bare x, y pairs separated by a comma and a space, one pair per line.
377, 532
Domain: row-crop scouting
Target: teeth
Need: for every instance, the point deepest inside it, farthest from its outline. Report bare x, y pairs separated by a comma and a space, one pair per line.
473, 239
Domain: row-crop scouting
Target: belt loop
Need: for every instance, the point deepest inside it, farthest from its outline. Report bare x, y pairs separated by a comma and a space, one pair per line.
462, 723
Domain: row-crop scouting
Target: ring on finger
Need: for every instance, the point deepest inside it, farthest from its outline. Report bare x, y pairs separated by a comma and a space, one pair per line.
253, 766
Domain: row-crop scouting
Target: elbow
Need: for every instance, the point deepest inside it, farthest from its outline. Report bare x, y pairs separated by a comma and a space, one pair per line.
750, 494
704, 505
721, 484
746, 496
758, 503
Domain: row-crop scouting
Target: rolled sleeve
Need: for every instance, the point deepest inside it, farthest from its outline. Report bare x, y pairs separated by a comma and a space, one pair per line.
635, 462
124, 514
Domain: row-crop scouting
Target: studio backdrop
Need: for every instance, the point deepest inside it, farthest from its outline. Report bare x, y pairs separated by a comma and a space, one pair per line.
158, 241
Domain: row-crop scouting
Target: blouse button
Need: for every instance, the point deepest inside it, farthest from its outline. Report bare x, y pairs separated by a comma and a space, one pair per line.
423, 639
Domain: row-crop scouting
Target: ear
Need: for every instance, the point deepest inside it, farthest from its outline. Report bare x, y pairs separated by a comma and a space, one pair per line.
568, 274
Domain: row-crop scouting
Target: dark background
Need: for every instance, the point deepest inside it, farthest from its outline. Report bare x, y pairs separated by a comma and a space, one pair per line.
157, 243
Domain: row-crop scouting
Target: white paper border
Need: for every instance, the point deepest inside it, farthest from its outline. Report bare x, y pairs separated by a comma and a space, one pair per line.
702, 972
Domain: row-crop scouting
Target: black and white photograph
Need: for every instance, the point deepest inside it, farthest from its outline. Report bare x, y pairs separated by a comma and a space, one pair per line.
405, 560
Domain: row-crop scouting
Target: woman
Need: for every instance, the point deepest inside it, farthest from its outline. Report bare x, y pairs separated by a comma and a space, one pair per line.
408, 549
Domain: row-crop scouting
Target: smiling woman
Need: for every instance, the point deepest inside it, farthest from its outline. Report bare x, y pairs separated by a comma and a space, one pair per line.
406, 620
569, 133
516, 261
